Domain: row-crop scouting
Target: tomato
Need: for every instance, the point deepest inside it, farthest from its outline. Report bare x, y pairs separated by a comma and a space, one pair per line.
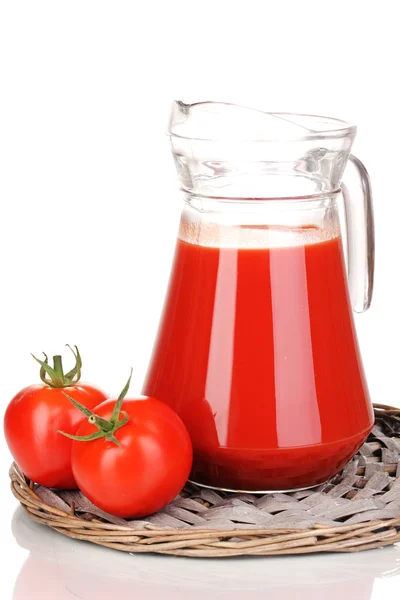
36, 413
134, 466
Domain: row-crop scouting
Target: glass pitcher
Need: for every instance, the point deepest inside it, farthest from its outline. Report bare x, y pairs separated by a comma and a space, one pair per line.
257, 350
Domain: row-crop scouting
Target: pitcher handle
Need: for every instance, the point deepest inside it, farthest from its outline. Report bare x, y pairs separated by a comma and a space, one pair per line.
357, 196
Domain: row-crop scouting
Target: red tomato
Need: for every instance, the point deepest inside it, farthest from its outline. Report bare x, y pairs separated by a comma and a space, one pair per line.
148, 468
36, 413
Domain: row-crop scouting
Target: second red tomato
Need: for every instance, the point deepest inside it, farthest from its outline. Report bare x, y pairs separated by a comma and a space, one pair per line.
146, 470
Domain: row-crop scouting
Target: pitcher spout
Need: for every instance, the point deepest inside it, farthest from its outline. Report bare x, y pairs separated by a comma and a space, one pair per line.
227, 150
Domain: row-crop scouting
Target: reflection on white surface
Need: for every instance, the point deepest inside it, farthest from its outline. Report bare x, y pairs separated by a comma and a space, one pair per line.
59, 568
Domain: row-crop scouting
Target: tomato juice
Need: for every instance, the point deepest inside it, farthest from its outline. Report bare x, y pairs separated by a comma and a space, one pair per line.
257, 353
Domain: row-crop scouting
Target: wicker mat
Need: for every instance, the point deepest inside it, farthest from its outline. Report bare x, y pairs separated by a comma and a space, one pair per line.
358, 509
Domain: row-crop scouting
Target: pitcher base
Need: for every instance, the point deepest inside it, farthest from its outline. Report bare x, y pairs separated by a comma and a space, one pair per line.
221, 489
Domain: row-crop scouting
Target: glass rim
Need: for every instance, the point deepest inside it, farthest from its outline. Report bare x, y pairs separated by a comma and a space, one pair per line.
339, 128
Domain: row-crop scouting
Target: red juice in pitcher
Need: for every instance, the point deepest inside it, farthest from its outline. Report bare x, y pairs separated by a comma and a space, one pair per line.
257, 353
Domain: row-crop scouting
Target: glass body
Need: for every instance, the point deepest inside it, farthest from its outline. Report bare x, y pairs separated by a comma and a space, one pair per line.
257, 350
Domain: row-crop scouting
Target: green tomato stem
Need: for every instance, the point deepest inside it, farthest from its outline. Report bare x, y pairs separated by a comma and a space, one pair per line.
54, 376
58, 367
106, 427
118, 404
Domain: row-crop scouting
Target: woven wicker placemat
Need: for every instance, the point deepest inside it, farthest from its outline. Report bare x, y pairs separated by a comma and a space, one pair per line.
358, 509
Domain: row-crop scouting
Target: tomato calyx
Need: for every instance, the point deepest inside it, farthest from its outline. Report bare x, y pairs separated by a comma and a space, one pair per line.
55, 376
106, 427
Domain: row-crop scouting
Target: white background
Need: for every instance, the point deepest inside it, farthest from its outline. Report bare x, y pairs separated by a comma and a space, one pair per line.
90, 205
